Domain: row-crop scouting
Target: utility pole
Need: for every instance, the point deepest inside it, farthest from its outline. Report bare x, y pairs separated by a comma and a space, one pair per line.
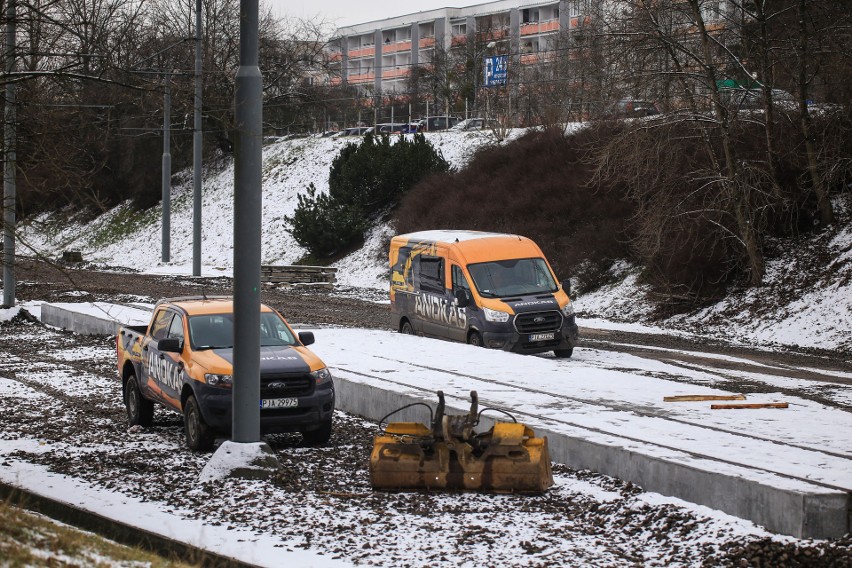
9, 140
196, 151
248, 203
167, 169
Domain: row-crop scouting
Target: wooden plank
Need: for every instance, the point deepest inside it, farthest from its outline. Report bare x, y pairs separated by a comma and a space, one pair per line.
756, 405
702, 397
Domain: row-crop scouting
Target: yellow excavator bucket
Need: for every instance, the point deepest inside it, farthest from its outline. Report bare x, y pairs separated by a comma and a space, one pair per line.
508, 458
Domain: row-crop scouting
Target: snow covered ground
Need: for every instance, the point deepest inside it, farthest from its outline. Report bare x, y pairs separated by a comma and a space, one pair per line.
321, 511
494, 530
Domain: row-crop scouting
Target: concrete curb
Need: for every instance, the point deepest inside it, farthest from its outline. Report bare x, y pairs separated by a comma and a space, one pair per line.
818, 513
117, 531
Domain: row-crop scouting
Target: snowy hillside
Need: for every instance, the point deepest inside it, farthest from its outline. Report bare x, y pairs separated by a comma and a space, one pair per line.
120, 238
806, 300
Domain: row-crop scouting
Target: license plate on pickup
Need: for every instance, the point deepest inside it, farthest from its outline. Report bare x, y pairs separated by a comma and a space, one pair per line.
542, 336
279, 402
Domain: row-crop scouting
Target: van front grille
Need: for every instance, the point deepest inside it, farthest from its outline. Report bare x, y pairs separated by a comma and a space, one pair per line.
538, 322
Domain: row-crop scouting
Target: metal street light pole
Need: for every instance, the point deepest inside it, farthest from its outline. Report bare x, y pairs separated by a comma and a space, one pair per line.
248, 202
167, 169
196, 151
9, 186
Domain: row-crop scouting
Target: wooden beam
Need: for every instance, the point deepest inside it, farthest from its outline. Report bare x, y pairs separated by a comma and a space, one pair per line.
702, 397
756, 405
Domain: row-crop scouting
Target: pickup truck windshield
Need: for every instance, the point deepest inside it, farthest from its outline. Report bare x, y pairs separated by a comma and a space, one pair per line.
216, 331
518, 277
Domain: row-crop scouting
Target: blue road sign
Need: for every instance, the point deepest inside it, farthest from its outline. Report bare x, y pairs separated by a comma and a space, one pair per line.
496, 70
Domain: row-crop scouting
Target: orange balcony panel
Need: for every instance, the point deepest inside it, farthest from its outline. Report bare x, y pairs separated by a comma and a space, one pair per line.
363, 78
540, 27
427, 42
363, 52
529, 58
394, 73
336, 81
397, 46
493, 34
336, 57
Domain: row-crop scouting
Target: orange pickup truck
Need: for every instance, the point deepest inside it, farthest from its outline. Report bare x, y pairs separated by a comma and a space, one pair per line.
183, 360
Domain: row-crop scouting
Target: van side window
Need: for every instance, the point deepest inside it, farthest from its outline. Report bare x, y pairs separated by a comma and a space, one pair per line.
161, 324
459, 281
431, 274
401, 272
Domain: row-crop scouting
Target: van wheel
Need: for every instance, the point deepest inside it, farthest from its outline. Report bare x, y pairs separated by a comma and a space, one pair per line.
199, 436
475, 338
406, 328
140, 410
318, 437
563, 353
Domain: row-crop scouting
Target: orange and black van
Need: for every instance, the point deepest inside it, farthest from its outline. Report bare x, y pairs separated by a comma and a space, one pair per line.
489, 289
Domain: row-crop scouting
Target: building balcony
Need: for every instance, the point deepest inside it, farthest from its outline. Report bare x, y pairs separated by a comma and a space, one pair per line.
394, 46
535, 28
362, 78
394, 73
362, 52
426, 42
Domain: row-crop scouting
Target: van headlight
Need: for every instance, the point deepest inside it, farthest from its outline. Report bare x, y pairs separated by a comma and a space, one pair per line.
568, 309
218, 380
321, 376
495, 315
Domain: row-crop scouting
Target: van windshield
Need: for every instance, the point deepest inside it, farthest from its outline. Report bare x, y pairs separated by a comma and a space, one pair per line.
516, 277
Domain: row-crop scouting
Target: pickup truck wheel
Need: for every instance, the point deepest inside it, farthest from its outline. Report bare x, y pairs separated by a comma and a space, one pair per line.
199, 436
406, 328
139, 409
563, 353
475, 338
318, 437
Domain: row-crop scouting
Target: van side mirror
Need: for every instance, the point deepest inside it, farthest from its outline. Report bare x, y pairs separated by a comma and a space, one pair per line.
306, 337
170, 345
462, 297
566, 286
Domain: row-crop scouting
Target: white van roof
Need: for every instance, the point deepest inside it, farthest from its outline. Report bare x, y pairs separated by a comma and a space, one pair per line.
451, 236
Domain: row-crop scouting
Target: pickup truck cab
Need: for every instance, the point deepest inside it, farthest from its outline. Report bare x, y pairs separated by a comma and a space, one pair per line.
183, 360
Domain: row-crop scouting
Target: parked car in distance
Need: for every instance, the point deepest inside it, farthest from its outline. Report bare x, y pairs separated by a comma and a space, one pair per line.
475, 124
354, 131
387, 128
752, 99
632, 108
433, 123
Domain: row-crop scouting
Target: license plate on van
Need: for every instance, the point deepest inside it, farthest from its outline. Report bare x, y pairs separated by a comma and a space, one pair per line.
542, 337
279, 402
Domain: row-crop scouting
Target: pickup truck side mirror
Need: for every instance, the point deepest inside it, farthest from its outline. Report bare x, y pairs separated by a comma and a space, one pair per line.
566, 286
306, 337
462, 297
170, 345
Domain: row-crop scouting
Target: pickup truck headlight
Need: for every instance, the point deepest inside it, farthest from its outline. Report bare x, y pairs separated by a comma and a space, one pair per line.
568, 309
217, 380
495, 315
321, 375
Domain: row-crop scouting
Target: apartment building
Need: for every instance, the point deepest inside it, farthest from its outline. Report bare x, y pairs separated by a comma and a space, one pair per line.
378, 56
